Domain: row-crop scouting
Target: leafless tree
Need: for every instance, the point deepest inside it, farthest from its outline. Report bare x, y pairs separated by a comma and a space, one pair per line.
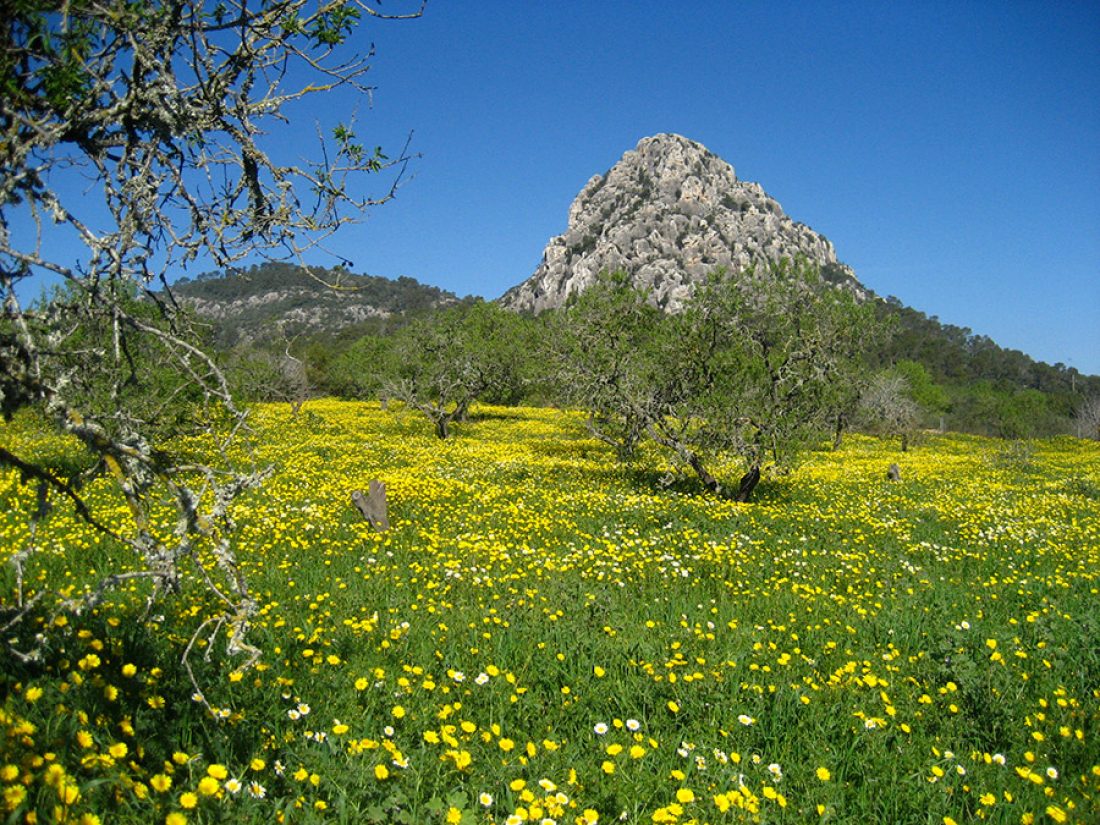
1088, 418
262, 375
148, 131
886, 407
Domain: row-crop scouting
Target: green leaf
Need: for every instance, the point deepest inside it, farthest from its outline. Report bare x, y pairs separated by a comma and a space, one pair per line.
435, 806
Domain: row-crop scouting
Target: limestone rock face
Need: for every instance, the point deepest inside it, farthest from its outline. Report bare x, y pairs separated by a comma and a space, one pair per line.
667, 213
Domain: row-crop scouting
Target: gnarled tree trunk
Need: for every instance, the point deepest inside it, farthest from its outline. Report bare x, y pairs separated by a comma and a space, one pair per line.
748, 483
709, 481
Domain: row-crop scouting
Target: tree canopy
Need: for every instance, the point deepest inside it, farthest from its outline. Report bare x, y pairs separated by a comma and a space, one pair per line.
755, 365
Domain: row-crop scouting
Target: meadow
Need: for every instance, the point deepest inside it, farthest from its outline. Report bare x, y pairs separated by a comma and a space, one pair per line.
546, 636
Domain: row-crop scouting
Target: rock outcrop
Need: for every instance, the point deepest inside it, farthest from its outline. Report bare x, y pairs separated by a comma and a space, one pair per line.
668, 213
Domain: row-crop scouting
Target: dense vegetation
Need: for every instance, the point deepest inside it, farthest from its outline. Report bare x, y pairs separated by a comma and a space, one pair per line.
547, 636
273, 302
959, 381
991, 390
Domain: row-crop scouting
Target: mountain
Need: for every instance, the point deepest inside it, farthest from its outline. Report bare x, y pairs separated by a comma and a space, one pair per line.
668, 213
274, 300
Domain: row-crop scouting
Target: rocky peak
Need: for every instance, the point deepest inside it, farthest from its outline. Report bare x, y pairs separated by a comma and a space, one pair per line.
667, 213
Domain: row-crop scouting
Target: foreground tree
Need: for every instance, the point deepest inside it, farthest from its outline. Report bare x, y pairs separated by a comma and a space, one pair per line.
777, 347
171, 111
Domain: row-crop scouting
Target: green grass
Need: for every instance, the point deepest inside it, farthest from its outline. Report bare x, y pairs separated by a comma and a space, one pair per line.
933, 644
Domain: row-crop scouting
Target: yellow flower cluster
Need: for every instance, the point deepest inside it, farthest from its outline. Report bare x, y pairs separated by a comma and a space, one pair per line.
546, 636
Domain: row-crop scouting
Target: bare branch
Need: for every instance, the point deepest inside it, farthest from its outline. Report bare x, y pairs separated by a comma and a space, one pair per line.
167, 117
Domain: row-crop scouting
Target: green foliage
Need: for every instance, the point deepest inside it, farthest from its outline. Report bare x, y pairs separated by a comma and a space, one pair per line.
955, 378
46, 68
361, 370
1003, 412
782, 344
442, 363
900, 400
756, 364
924, 392
983, 381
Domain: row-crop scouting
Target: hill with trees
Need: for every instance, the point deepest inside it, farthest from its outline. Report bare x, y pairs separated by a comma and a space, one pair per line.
957, 379
668, 216
991, 390
273, 301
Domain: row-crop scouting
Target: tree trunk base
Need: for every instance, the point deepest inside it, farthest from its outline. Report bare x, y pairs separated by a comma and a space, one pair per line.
748, 483
373, 506
709, 481
441, 428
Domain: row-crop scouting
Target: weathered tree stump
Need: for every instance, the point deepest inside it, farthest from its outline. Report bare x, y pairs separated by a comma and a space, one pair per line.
893, 473
748, 483
373, 505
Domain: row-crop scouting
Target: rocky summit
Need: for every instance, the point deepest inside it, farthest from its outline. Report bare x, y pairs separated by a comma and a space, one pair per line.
668, 213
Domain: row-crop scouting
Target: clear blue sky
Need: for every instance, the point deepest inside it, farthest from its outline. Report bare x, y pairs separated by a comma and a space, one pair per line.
950, 150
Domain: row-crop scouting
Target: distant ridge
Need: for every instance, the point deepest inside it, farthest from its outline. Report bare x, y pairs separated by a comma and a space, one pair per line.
275, 300
669, 212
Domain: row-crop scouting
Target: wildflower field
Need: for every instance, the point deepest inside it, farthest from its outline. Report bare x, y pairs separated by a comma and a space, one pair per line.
547, 636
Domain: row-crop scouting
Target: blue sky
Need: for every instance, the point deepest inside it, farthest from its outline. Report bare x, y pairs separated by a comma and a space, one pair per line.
950, 150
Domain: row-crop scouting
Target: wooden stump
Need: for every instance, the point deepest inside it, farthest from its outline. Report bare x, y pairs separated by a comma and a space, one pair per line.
748, 483
373, 505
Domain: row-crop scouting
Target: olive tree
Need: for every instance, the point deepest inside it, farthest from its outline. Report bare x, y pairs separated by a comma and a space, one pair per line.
606, 350
441, 364
776, 347
752, 367
148, 131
